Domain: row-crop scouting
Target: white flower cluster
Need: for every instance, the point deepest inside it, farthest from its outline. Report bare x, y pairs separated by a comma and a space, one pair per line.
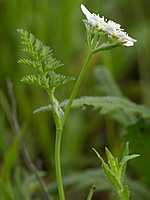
111, 28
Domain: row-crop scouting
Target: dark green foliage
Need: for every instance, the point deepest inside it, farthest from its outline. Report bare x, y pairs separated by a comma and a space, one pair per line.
42, 61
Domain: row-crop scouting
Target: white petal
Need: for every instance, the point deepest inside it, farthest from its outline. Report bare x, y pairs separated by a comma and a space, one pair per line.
128, 44
131, 39
86, 12
120, 34
109, 29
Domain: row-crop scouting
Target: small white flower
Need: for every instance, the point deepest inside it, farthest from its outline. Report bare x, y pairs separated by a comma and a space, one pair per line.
123, 37
93, 19
112, 29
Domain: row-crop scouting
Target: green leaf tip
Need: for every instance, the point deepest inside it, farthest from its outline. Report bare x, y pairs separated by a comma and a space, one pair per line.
115, 171
42, 61
113, 163
127, 158
98, 154
126, 151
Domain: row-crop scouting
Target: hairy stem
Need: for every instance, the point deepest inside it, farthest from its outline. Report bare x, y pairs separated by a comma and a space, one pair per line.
76, 87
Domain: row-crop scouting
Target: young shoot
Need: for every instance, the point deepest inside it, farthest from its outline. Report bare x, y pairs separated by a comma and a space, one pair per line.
115, 171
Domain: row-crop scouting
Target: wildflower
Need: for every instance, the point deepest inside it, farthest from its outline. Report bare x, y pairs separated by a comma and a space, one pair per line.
93, 19
123, 37
112, 29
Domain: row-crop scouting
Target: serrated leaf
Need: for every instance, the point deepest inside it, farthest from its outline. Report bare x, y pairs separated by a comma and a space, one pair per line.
106, 105
109, 104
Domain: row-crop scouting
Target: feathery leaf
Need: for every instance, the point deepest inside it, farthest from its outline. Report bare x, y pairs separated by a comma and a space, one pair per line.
42, 61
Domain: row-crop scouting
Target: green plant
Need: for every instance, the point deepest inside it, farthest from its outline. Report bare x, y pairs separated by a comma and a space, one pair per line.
116, 172
45, 65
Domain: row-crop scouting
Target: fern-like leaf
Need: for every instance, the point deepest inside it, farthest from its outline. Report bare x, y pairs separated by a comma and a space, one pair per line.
31, 63
34, 80
42, 61
52, 64
58, 79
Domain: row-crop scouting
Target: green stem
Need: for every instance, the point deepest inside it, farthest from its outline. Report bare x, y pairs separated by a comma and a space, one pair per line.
91, 192
57, 145
59, 125
76, 87
58, 165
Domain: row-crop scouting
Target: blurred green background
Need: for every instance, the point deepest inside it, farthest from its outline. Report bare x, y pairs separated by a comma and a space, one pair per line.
59, 25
